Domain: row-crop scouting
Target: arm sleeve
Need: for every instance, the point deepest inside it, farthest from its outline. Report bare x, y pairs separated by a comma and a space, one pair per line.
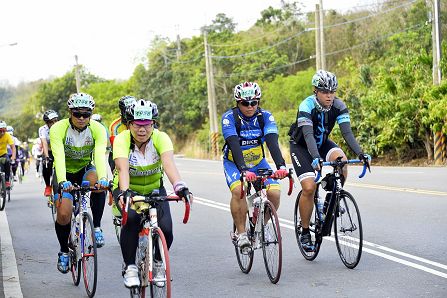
57, 146
346, 131
308, 134
272, 143
235, 147
100, 135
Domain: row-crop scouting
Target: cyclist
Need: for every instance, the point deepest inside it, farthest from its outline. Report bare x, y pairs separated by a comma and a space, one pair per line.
10, 131
37, 152
310, 144
98, 118
73, 141
6, 139
119, 124
245, 129
50, 117
142, 154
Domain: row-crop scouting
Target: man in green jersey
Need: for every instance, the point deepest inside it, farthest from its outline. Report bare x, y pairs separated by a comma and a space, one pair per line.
73, 141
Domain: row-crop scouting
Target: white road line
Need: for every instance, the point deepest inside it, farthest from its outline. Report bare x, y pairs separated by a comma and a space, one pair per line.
11, 281
290, 225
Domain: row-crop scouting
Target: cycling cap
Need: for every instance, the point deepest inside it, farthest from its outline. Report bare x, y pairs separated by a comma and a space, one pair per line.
326, 80
247, 91
81, 100
50, 115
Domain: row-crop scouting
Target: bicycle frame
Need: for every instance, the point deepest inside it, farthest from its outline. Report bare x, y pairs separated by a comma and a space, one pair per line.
337, 187
80, 210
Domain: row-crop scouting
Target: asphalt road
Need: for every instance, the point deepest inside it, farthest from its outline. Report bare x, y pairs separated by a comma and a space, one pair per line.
404, 255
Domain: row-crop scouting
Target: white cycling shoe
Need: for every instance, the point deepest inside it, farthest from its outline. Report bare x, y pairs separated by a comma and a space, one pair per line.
131, 278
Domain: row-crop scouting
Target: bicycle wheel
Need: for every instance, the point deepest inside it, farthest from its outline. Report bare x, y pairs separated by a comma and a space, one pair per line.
245, 260
75, 263
314, 231
3, 193
271, 242
163, 290
89, 257
348, 230
52, 205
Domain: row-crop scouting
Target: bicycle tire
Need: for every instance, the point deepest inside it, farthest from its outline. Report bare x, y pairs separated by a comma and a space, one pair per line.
20, 173
349, 244
52, 207
160, 240
89, 257
271, 247
8, 194
245, 261
315, 231
75, 262
3, 193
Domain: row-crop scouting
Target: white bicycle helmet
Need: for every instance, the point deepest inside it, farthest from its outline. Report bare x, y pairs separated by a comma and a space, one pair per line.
81, 100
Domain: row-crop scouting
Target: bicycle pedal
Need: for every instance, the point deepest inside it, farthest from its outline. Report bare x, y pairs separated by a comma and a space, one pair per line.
246, 250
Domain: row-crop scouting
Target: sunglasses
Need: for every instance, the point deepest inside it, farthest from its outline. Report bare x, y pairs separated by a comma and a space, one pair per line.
325, 91
84, 115
252, 103
146, 126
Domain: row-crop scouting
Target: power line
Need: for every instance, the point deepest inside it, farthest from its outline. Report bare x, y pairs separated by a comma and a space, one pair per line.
262, 49
327, 54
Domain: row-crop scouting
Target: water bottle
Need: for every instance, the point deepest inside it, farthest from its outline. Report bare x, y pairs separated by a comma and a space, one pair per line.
256, 205
77, 220
320, 205
142, 245
250, 205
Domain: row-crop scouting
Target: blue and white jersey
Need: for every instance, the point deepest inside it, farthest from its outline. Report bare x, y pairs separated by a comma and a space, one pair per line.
251, 138
322, 122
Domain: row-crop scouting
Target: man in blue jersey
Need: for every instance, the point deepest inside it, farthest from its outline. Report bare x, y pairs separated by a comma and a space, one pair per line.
310, 144
245, 129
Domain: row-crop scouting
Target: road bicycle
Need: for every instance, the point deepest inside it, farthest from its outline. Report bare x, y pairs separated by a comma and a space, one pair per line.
340, 210
3, 191
150, 238
262, 226
20, 172
51, 202
82, 242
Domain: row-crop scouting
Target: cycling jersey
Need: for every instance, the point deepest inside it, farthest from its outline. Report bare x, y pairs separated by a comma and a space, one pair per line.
116, 128
251, 138
44, 133
145, 168
322, 122
5, 140
73, 149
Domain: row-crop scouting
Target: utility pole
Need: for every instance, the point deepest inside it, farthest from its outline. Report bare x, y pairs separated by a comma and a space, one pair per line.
179, 48
438, 137
77, 76
317, 37
214, 134
322, 50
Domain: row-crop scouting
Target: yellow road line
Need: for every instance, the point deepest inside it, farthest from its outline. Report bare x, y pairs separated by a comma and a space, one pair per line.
402, 189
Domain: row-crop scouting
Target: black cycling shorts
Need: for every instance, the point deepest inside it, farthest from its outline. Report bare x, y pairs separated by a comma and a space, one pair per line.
302, 160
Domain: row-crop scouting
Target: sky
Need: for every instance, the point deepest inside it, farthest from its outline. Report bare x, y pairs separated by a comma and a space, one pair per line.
110, 37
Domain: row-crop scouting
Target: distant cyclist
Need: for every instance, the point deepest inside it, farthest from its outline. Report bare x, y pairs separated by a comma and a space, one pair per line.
6, 161
50, 117
10, 131
73, 141
310, 144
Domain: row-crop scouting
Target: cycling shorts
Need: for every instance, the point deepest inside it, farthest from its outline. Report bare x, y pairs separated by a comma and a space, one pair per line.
302, 160
233, 175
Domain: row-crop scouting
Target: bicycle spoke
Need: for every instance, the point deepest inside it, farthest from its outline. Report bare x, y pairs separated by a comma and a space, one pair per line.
314, 228
348, 231
245, 260
89, 258
271, 243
